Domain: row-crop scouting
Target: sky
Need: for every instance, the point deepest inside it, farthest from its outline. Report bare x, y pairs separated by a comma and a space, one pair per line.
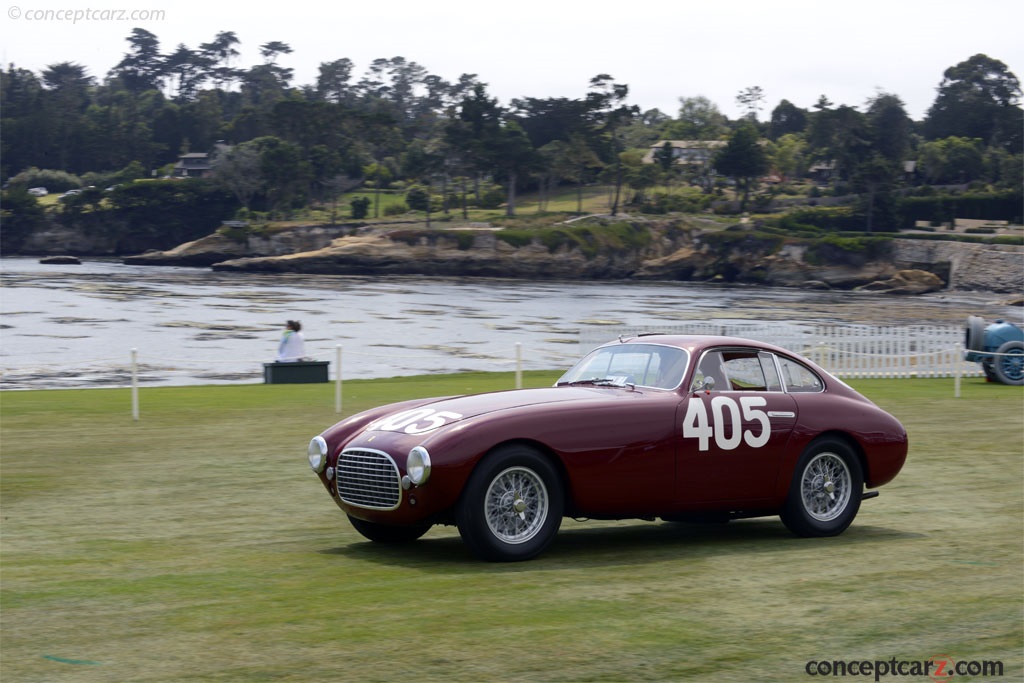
663, 50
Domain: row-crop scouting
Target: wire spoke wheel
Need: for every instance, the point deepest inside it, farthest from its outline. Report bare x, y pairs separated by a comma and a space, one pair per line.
512, 505
1009, 363
516, 505
826, 490
825, 487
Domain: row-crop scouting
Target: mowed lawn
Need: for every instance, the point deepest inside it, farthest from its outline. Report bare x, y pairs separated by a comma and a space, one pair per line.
196, 545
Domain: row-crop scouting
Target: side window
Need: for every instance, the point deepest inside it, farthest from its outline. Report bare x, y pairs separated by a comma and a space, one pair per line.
798, 377
744, 372
710, 366
771, 374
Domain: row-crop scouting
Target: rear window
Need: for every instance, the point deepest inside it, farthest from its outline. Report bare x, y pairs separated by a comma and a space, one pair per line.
798, 377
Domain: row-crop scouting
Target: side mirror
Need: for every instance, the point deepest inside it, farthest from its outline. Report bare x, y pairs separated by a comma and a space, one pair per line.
706, 384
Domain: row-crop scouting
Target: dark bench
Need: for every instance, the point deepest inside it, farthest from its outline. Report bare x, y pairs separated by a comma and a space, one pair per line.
299, 372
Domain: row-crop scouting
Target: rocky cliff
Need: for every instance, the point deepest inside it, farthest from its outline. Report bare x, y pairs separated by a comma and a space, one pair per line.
602, 248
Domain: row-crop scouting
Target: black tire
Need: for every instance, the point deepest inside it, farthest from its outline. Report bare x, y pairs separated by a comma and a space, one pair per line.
512, 505
825, 494
974, 338
386, 533
990, 372
1009, 369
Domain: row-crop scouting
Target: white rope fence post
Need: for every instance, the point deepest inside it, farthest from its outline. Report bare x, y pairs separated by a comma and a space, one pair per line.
135, 384
957, 371
337, 379
519, 365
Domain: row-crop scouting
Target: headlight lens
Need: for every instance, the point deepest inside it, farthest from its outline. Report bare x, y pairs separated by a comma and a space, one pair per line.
317, 452
418, 465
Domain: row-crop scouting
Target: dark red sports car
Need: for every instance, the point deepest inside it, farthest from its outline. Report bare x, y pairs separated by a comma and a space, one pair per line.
676, 427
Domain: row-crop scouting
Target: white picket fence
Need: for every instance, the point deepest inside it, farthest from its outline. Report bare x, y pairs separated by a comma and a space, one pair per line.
849, 351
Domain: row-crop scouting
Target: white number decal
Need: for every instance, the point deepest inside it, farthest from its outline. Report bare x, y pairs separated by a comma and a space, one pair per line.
417, 420
695, 424
750, 412
728, 428
719, 404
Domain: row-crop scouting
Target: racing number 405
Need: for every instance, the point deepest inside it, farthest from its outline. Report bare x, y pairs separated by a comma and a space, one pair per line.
727, 428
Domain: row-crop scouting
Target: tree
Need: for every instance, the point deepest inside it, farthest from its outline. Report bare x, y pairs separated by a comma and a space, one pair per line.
191, 68
332, 84
286, 174
874, 179
889, 127
514, 155
240, 172
549, 119
752, 100
664, 157
951, 160
68, 88
272, 49
743, 159
609, 112
218, 54
698, 119
839, 136
143, 67
787, 156
978, 98
24, 139
472, 129
786, 118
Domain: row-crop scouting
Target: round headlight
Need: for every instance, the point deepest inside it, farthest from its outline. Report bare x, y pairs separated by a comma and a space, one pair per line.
418, 465
317, 452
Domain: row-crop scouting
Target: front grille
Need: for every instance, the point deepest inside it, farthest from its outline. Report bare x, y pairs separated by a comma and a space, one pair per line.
368, 479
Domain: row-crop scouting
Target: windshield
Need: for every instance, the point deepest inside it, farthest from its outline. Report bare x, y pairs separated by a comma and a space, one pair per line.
646, 365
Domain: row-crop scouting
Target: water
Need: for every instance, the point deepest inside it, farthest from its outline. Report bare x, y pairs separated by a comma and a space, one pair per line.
65, 326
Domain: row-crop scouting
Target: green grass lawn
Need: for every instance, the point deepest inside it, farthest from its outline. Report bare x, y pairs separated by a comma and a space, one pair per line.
196, 545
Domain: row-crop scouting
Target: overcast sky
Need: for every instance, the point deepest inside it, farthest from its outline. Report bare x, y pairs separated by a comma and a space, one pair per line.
663, 49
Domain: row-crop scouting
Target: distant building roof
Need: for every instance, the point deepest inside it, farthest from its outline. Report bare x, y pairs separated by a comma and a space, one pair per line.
685, 151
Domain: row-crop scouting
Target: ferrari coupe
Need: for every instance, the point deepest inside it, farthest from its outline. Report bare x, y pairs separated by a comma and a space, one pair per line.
681, 428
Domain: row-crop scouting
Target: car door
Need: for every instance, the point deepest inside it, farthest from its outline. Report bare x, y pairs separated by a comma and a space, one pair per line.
734, 430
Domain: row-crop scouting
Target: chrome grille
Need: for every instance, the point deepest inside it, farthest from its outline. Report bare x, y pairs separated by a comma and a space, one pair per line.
368, 479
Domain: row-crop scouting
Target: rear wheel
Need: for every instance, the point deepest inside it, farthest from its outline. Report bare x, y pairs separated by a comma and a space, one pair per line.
512, 505
1009, 367
826, 490
387, 533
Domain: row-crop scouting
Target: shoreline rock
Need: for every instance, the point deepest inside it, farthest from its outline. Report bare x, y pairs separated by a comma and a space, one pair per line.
676, 251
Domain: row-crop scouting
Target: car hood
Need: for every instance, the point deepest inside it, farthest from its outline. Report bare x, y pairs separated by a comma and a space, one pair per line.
442, 412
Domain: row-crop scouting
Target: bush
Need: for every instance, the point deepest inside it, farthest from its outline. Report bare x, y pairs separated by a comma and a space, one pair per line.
21, 215
360, 207
491, 198
662, 203
52, 180
855, 251
943, 208
417, 198
828, 218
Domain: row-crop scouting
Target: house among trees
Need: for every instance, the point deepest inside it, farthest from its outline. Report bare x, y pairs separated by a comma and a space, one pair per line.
684, 152
193, 165
199, 164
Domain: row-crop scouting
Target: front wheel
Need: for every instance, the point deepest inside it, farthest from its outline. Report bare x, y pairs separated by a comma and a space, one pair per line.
1008, 366
825, 494
512, 505
386, 533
